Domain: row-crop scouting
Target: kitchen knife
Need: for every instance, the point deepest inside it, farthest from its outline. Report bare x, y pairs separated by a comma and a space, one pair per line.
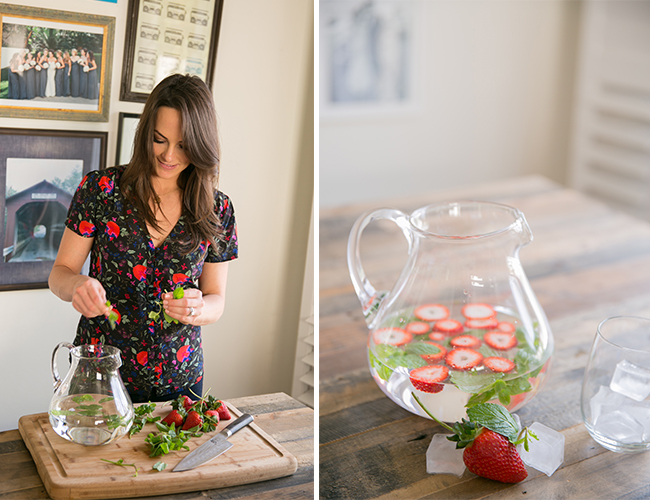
215, 447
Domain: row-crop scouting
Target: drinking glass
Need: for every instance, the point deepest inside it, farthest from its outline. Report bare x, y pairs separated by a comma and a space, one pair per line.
615, 398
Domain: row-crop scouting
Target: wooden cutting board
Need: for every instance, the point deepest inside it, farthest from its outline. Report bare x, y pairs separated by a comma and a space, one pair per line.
73, 471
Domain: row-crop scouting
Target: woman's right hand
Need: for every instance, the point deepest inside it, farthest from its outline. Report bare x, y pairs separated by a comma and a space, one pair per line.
89, 298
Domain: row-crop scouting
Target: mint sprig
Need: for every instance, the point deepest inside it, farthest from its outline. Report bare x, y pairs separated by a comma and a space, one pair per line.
496, 418
112, 316
121, 463
178, 293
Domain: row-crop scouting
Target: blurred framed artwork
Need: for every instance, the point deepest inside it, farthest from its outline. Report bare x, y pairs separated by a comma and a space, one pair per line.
55, 65
39, 174
165, 37
127, 125
367, 56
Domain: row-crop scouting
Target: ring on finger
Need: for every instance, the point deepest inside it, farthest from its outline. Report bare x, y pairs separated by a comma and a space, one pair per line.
191, 311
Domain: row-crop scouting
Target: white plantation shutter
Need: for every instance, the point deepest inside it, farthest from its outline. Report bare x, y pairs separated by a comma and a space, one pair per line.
303, 373
611, 132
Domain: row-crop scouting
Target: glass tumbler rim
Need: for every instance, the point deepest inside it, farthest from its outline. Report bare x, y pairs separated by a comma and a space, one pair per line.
604, 337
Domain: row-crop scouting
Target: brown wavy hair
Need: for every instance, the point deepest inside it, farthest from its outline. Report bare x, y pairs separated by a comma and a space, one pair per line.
192, 98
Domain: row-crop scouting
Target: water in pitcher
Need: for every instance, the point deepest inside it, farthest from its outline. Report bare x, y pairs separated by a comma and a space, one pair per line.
89, 419
450, 362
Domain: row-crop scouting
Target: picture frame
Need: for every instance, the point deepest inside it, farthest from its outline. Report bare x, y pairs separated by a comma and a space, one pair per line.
368, 58
166, 37
32, 86
39, 174
127, 125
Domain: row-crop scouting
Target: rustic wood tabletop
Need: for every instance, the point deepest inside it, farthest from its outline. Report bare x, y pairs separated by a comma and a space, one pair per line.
286, 420
587, 262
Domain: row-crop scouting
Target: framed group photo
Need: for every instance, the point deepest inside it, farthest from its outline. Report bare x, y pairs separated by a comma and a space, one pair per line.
165, 37
39, 174
55, 64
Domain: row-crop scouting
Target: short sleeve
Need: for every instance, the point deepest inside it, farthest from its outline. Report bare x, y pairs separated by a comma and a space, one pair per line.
227, 245
81, 214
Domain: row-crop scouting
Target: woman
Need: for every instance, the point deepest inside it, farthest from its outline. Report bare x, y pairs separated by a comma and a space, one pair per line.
50, 86
83, 74
93, 86
58, 78
151, 226
22, 82
75, 70
67, 65
30, 76
41, 62
13, 90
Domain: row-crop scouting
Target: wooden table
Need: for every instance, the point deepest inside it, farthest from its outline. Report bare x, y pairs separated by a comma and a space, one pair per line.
288, 421
586, 263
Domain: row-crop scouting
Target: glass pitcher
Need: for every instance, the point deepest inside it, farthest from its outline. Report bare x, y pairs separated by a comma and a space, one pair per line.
91, 405
461, 325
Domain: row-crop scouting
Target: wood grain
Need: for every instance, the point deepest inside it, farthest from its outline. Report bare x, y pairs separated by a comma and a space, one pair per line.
280, 421
587, 262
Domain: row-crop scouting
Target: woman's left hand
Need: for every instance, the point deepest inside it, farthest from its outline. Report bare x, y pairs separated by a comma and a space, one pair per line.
186, 310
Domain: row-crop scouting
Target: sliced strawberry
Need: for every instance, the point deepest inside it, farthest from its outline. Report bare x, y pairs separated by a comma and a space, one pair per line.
506, 326
497, 364
482, 324
392, 336
434, 358
448, 326
469, 341
463, 359
431, 312
427, 378
478, 311
500, 341
418, 327
437, 336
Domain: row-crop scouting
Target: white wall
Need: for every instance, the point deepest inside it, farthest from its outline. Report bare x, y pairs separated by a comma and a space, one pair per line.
495, 83
262, 90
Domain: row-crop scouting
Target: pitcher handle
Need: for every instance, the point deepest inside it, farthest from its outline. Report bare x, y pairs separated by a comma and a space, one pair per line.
55, 371
370, 298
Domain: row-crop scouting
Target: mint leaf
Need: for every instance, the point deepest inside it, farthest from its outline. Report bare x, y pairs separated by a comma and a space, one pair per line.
159, 466
179, 293
421, 348
386, 350
496, 418
473, 382
383, 371
409, 361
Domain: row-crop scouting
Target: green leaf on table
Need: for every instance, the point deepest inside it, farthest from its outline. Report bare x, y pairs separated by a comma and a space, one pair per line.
159, 466
496, 418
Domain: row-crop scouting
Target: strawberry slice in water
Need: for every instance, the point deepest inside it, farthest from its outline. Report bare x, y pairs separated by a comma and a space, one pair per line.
448, 326
392, 336
506, 326
431, 312
418, 327
428, 378
498, 364
482, 324
478, 311
463, 359
501, 341
469, 341
437, 336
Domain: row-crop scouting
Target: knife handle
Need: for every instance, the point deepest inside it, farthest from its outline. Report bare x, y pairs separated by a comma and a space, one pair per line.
238, 424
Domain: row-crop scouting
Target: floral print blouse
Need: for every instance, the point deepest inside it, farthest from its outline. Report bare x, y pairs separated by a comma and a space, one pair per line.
158, 357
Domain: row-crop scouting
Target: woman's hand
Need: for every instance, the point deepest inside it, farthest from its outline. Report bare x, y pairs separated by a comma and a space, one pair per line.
89, 298
186, 310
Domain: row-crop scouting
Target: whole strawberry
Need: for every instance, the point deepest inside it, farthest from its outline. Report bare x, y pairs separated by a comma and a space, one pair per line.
193, 419
174, 417
490, 438
492, 456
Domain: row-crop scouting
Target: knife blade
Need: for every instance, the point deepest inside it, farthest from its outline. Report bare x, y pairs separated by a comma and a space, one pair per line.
216, 446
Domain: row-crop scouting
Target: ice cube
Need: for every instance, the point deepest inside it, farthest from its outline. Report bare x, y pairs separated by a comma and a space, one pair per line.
605, 401
641, 413
631, 381
545, 454
619, 426
443, 457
